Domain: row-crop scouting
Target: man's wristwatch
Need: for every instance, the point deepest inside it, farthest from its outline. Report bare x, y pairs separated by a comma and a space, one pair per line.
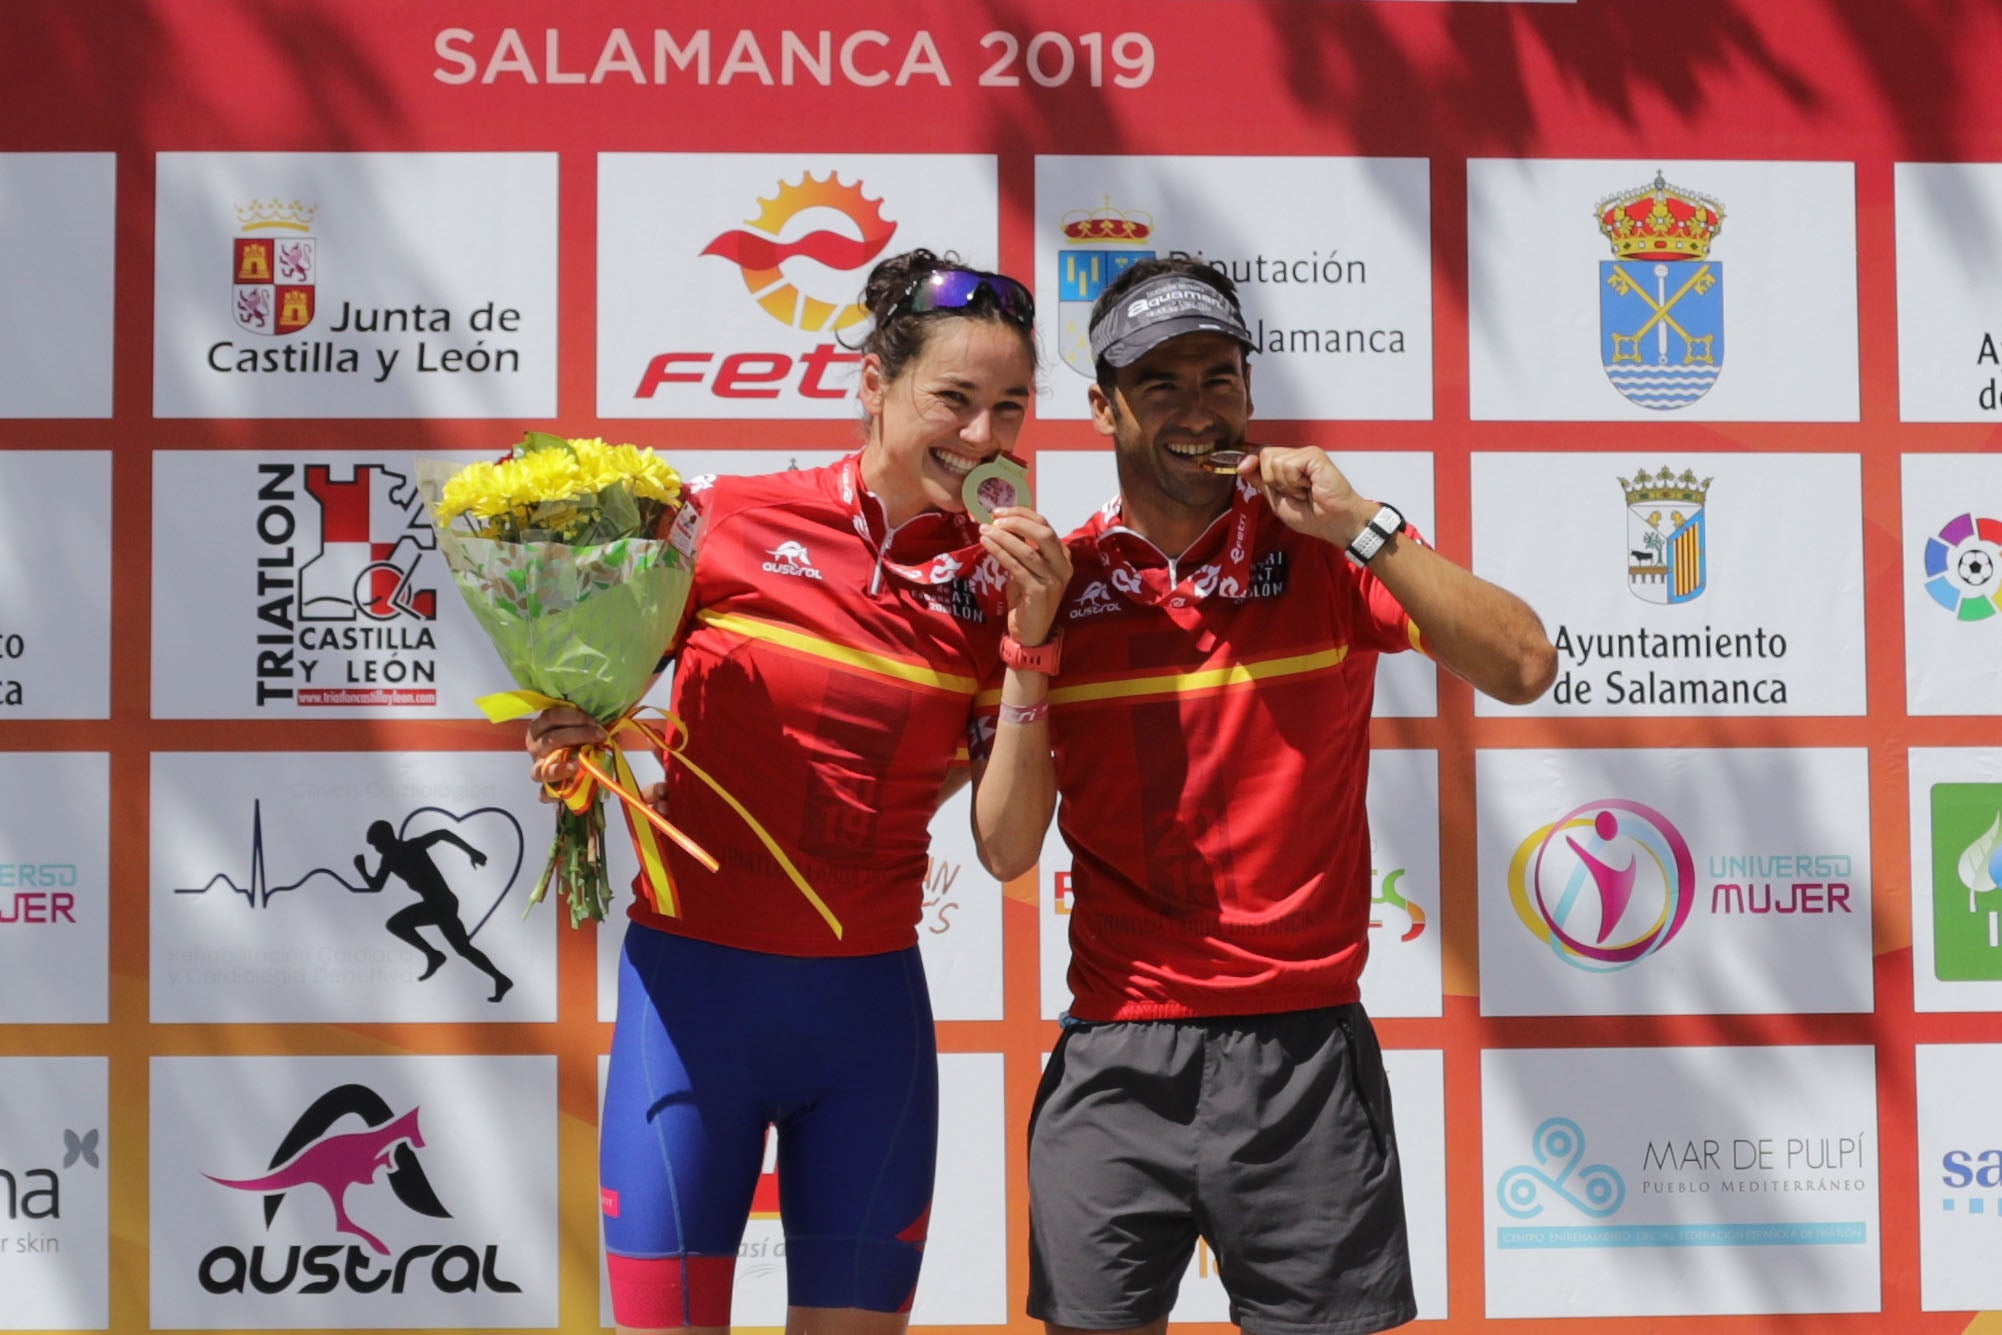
1385, 525
1041, 658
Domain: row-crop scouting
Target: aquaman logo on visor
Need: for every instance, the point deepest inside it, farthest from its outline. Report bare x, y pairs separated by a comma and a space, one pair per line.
1162, 308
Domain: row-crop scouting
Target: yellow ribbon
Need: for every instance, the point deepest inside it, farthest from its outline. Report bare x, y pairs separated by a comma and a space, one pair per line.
591, 775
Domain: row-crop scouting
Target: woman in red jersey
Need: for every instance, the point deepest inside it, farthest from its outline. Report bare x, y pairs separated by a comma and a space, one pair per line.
842, 621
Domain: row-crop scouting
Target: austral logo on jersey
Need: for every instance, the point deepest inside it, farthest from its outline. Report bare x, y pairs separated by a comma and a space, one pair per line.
347, 587
327, 1166
1666, 539
1661, 299
838, 231
1099, 244
274, 265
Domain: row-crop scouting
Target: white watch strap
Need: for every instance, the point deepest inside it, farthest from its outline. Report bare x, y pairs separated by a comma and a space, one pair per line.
1382, 527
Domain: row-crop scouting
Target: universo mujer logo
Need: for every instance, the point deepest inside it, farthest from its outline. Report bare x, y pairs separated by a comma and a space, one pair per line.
1605, 885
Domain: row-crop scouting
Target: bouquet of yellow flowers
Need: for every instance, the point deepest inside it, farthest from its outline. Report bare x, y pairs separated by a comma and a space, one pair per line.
555, 550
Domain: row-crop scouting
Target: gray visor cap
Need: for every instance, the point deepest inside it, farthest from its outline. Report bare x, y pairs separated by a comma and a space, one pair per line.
1164, 307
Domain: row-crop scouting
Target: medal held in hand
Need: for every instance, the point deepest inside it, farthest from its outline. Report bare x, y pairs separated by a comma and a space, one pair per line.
999, 482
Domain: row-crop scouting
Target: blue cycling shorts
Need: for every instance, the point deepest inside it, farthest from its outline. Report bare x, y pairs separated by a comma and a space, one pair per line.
714, 1045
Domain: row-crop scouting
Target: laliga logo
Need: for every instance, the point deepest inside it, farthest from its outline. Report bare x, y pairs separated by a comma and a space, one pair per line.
1592, 866
765, 259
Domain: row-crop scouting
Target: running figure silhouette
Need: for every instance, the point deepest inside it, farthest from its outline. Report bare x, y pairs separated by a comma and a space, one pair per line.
410, 859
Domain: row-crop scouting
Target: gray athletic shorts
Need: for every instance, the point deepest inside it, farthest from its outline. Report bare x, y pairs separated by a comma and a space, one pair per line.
1267, 1135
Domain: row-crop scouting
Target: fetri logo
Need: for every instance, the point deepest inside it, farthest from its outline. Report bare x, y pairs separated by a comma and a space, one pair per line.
325, 1166
761, 253
1605, 885
803, 257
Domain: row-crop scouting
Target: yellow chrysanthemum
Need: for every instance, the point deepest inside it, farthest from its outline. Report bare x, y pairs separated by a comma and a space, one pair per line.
546, 475
476, 489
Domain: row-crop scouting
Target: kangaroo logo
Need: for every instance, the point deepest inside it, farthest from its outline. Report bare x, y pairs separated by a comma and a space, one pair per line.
790, 558
309, 1156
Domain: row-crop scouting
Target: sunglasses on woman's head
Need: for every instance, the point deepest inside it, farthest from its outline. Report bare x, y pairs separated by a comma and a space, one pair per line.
957, 289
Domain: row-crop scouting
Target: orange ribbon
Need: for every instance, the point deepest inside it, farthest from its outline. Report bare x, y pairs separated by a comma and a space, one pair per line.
617, 778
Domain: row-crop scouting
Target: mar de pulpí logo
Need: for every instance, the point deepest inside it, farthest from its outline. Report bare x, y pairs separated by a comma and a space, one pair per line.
332, 1171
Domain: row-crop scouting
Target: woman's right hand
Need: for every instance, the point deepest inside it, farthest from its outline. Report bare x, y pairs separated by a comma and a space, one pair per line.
554, 737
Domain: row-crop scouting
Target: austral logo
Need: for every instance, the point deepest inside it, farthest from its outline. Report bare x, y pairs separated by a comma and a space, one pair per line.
1098, 245
1667, 536
1661, 298
347, 587
803, 257
332, 1171
275, 267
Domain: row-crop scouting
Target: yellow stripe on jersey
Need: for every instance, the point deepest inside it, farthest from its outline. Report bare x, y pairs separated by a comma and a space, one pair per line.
1182, 683
1411, 633
916, 673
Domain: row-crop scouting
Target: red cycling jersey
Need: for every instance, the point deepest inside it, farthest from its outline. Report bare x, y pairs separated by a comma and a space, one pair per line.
1211, 728
827, 676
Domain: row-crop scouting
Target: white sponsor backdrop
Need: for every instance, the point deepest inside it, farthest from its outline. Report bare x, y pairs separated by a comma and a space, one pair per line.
1777, 628
258, 906
1680, 1181
1787, 247
55, 606
484, 1138
1949, 335
1769, 914
56, 271
266, 592
737, 269
433, 277
1952, 577
55, 1171
1330, 256
55, 889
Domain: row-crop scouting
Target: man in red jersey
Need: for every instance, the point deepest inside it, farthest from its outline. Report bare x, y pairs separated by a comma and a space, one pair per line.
1210, 721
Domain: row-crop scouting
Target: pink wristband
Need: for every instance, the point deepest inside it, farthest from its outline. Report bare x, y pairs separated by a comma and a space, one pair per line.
1024, 714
